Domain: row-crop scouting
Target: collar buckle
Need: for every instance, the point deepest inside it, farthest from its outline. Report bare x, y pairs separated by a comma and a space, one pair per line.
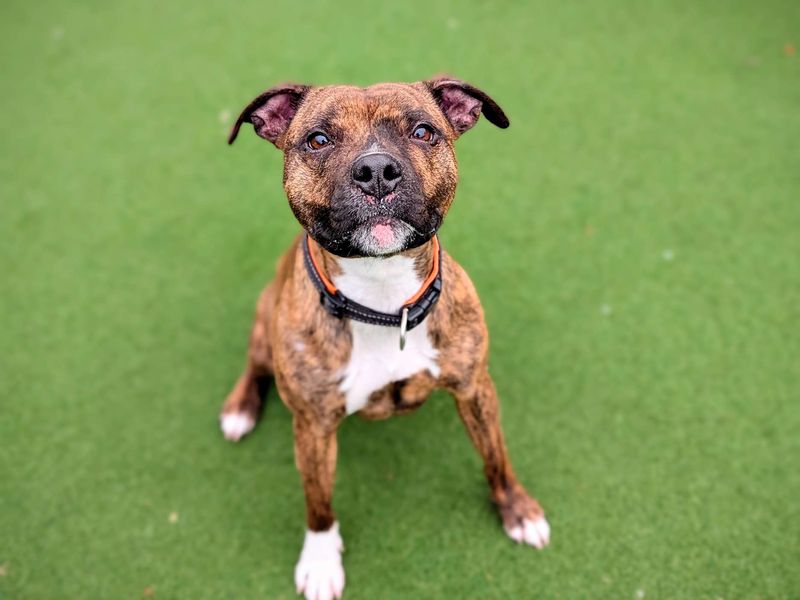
335, 304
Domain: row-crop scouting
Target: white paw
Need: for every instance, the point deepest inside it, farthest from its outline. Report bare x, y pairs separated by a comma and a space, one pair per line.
535, 533
236, 425
319, 571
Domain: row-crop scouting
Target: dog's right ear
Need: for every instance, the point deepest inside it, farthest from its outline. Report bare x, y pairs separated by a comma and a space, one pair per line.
463, 103
271, 112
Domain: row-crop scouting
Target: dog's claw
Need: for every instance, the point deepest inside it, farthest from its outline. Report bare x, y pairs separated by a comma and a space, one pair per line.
516, 534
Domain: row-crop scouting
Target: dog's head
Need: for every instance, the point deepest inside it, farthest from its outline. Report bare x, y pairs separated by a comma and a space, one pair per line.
369, 171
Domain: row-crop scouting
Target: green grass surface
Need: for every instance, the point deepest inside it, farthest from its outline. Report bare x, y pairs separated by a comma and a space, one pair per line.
635, 237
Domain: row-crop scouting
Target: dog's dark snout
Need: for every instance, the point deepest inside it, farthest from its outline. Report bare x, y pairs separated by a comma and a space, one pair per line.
377, 174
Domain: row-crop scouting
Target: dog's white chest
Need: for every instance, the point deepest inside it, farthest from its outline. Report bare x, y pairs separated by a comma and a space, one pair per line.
375, 358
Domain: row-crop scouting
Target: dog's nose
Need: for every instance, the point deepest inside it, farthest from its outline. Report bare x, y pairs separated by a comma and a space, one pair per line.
377, 174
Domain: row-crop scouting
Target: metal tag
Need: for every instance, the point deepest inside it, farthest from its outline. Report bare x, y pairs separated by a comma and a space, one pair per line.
403, 327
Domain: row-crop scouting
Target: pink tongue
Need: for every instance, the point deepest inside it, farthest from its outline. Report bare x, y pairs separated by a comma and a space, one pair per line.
383, 234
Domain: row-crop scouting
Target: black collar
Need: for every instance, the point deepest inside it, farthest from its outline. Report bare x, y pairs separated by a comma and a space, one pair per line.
412, 313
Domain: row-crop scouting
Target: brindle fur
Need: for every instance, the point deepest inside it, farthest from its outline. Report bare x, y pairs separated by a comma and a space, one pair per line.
306, 348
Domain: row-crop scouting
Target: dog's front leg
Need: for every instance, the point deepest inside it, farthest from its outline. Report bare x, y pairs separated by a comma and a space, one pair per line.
319, 571
523, 518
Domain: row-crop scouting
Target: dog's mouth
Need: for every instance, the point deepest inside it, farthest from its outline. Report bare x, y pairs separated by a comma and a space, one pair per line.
353, 227
382, 235
377, 236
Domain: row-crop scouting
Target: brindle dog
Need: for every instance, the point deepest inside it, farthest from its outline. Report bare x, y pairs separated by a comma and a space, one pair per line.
370, 174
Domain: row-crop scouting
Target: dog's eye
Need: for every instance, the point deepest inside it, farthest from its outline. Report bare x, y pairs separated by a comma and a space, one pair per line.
317, 140
423, 133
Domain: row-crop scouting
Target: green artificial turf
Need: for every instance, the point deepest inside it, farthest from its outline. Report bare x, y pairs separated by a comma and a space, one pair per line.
634, 236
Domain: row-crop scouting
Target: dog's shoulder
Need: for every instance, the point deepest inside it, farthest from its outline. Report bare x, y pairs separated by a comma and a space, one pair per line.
457, 325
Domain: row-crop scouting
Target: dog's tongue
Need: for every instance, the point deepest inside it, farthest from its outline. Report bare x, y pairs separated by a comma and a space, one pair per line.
383, 234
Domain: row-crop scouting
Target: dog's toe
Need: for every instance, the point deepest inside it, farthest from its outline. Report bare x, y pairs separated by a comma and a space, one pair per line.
236, 425
319, 573
534, 532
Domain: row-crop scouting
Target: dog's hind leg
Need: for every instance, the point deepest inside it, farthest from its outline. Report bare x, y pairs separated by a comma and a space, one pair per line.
242, 407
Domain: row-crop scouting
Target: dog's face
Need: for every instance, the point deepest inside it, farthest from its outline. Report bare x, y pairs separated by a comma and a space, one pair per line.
369, 171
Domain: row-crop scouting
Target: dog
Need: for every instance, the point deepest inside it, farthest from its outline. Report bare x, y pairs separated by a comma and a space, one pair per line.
367, 313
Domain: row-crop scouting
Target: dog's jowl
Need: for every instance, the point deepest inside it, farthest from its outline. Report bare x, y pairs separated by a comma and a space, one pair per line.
367, 313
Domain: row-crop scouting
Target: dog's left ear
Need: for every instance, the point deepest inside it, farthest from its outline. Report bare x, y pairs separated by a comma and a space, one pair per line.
463, 103
271, 112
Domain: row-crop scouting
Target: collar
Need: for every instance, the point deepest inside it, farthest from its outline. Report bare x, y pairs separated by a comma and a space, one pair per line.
411, 314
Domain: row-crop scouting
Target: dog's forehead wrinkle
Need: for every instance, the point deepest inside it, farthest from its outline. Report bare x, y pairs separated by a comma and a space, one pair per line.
384, 100
372, 147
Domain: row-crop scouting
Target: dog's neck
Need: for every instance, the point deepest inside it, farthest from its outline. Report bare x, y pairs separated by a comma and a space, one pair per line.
380, 283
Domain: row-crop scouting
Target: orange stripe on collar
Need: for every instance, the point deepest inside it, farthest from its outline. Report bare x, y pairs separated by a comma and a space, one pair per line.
431, 276
320, 273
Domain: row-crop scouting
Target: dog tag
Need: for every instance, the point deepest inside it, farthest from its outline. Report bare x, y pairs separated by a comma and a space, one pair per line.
403, 326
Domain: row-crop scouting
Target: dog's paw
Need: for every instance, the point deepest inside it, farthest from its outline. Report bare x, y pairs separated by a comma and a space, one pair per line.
319, 573
236, 425
523, 518
534, 532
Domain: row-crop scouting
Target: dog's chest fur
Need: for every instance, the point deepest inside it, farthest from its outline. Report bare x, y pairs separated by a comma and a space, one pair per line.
376, 360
